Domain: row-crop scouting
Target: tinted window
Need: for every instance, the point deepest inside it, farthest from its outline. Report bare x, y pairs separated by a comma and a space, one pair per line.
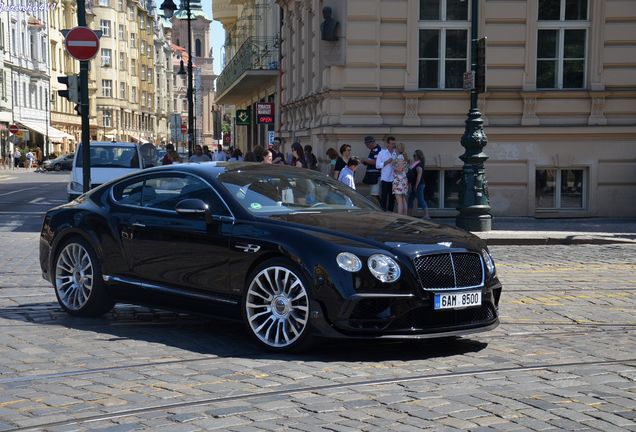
110, 156
165, 192
128, 193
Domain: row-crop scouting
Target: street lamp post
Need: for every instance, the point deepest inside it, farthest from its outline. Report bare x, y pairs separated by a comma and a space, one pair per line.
168, 7
474, 207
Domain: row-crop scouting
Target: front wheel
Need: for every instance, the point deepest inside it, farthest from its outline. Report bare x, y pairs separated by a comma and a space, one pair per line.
276, 306
57, 167
78, 283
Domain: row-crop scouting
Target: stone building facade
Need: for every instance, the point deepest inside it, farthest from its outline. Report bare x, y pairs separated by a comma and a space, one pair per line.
560, 105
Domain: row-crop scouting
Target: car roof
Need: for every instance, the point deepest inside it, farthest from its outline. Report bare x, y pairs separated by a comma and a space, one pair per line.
113, 143
214, 168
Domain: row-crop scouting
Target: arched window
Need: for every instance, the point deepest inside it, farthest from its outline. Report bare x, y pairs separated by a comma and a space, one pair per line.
198, 47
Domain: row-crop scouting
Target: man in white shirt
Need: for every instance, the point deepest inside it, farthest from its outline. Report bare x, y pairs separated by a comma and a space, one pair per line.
384, 162
347, 174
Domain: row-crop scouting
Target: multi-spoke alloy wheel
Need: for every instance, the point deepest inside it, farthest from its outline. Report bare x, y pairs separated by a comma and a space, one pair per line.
78, 287
277, 307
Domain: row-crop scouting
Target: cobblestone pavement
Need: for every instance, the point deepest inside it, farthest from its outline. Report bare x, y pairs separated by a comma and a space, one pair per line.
564, 358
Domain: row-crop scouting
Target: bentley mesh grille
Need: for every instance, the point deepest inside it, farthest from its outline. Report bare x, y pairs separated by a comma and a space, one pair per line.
450, 270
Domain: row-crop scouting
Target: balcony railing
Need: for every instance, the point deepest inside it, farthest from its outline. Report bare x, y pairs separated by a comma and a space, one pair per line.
256, 53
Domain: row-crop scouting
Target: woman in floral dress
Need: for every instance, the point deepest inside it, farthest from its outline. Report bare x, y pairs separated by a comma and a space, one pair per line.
400, 183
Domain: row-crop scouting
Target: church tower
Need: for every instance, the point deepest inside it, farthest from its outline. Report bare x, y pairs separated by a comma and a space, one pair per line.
202, 67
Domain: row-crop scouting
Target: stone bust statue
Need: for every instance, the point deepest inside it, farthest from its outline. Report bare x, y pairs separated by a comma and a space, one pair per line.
329, 26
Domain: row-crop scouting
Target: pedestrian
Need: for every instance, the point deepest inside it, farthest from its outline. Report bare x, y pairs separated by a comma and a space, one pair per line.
171, 155
372, 175
415, 176
384, 163
16, 157
39, 159
278, 157
30, 157
207, 152
310, 157
258, 153
345, 155
347, 173
332, 154
237, 156
198, 155
220, 155
250, 157
400, 186
298, 156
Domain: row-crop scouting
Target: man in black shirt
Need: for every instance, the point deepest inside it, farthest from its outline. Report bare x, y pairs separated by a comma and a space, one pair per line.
374, 149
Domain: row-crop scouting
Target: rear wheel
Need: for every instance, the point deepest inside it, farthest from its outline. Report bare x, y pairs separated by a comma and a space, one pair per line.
57, 167
276, 306
78, 283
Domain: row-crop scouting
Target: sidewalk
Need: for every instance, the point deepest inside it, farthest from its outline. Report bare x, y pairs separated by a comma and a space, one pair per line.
532, 231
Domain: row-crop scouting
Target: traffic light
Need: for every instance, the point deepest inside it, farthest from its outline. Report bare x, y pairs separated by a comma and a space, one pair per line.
72, 92
480, 74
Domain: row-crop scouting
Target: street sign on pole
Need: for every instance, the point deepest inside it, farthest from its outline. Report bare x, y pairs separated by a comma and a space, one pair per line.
14, 129
82, 43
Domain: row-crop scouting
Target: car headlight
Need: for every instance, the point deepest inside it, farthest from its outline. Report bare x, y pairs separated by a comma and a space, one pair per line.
349, 262
490, 264
384, 268
77, 187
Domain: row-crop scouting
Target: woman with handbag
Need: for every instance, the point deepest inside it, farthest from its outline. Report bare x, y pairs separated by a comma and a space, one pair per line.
415, 176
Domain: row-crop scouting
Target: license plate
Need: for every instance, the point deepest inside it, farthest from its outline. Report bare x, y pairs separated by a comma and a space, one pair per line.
457, 300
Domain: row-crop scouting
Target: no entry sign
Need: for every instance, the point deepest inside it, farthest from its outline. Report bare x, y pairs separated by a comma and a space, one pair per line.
82, 43
13, 129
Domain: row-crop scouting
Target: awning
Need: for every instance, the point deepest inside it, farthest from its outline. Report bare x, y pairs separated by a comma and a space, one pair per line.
53, 133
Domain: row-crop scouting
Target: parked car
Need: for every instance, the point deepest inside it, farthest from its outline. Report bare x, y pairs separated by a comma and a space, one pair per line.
64, 162
291, 252
109, 160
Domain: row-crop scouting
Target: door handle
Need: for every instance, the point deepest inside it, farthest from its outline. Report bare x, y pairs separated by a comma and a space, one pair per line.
138, 225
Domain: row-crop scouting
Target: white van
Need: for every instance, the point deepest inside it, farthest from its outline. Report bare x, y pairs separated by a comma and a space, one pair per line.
109, 160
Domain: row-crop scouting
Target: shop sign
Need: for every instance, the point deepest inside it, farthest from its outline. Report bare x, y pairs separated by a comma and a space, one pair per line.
243, 118
264, 113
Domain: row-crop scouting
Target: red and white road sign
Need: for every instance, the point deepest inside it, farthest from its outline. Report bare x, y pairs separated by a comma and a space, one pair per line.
184, 128
81, 43
14, 129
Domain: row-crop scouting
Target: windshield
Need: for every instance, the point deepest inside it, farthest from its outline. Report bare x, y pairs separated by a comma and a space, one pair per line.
110, 156
267, 191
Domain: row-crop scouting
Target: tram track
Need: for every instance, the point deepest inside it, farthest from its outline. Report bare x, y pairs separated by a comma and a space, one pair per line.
631, 362
258, 354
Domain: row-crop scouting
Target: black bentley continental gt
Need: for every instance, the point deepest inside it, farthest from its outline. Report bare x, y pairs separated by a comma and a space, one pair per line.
291, 252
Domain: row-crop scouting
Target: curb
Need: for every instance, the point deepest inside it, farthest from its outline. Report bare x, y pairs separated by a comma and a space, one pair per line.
555, 241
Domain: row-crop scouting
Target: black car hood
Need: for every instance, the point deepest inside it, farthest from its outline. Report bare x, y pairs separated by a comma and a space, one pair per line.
389, 230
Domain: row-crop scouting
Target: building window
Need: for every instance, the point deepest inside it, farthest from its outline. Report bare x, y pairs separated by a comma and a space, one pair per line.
133, 40
142, 21
106, 57
443, 43
122, 32
133, 67
122, 90
560, 188
150, 74
131, 12
122, 61
561, 44
103, 3
120, 5
107, 118
142, 46
143, 72
104, 26
107, 88
34, 50
197, 49
133, 95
